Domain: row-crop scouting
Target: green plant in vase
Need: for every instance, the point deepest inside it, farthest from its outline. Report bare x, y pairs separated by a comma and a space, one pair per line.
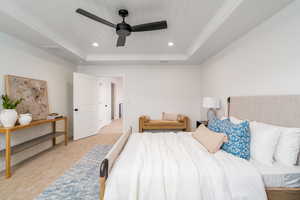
8, 115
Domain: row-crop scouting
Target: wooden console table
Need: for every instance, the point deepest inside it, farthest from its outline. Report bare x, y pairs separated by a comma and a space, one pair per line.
20, 147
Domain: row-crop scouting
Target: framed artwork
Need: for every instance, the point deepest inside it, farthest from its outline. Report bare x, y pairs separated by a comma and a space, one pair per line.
34, 93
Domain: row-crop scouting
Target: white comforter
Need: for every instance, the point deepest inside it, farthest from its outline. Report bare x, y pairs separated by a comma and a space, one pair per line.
169, 166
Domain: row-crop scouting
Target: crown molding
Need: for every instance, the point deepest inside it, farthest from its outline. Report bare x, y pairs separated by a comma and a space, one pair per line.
223, 13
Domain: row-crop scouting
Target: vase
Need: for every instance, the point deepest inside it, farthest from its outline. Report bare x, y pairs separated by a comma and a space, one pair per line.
8, 117
25, 119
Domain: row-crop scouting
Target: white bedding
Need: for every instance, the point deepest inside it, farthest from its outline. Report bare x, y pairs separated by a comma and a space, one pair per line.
169, 166
278, 175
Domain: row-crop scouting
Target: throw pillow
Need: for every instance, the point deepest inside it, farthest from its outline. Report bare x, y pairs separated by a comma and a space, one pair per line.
210, 140
238, 138
216, 125
169, 116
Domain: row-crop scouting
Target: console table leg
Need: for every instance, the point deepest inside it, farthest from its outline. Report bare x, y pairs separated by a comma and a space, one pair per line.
66, 131
53, 131
7, 155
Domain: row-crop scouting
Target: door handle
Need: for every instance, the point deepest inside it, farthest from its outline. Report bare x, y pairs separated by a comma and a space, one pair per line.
105, 105
76, 109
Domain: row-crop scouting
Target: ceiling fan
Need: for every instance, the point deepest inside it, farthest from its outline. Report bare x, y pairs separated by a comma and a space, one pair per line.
123, 29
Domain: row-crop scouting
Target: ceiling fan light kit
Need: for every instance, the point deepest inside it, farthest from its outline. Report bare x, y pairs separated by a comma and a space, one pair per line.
123, 29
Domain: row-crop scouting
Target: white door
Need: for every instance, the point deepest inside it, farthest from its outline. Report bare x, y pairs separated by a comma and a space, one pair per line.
105, 102
87, 103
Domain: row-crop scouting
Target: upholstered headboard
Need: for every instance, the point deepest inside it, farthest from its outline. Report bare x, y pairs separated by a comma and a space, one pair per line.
281, 110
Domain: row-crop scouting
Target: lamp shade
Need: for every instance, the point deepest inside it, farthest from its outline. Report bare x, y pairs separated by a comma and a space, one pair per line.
211, 102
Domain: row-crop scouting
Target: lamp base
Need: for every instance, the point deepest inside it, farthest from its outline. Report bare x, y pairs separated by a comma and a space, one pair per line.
211, 114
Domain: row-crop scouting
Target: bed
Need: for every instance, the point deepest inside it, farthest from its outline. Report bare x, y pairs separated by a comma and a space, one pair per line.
169, 166
136, 168
281, 182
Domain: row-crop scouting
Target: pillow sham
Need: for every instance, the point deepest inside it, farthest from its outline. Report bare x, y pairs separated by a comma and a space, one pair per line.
288, 147
210, 140
264, 138
238, 138
169, 116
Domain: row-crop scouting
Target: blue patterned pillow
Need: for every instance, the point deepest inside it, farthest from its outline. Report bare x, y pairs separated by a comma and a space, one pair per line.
216, 125
238, 138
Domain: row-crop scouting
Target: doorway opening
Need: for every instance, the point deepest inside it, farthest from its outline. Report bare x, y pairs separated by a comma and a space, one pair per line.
114, 105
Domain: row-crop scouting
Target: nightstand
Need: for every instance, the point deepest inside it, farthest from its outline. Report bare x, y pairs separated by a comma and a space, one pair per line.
198, 123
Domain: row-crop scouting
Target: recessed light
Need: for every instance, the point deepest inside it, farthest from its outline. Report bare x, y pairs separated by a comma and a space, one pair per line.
95, 44
170, 44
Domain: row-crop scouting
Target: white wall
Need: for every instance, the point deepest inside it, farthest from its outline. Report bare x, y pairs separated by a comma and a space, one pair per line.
21, 59
265, 61
151, 90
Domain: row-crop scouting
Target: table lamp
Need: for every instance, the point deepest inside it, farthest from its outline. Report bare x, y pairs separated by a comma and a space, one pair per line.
211, 104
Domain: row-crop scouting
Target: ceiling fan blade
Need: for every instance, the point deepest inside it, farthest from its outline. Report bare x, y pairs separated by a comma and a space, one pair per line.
121, 41
150, 26
94, 17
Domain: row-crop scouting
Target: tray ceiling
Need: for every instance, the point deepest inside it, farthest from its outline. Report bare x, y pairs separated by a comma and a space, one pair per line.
191, 25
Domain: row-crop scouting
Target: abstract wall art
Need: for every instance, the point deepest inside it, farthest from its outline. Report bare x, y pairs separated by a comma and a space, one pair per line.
34, 93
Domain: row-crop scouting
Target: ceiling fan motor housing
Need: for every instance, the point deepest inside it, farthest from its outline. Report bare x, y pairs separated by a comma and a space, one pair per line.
123, 13
123, 29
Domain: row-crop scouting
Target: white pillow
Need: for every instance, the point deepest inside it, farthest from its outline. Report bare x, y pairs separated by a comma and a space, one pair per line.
236, 120
288, 147
233, 119
264, 138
